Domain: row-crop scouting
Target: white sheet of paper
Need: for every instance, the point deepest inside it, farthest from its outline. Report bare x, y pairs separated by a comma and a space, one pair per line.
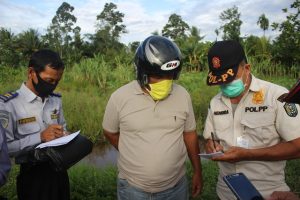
59, 141
211, 155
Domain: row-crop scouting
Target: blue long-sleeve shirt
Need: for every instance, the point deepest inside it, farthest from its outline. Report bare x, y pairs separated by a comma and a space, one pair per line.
26, 115
4, 158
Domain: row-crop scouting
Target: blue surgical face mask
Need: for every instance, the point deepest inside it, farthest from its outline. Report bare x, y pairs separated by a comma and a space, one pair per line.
233, 89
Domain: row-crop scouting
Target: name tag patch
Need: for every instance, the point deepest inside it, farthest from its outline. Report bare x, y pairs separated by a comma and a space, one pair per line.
223, 112
290, 109
256, 109
26, 120
54, 116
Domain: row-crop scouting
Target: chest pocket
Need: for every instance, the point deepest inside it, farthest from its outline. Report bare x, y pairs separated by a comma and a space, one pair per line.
260, 129
172, 119
223, 131
222, 122
28, 127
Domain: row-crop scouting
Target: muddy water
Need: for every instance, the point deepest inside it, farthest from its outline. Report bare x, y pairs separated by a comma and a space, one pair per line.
102, 156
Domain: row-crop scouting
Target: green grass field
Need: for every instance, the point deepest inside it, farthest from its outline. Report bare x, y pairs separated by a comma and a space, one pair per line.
86, 88
91, 183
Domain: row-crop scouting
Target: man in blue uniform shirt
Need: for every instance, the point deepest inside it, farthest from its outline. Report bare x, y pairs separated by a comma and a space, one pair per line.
33, 115
4, 158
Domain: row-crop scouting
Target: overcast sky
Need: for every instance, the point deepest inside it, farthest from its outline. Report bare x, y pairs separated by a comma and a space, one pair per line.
142, 17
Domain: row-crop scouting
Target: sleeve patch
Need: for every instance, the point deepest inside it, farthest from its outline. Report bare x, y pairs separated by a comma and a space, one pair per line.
291, 109
4, 119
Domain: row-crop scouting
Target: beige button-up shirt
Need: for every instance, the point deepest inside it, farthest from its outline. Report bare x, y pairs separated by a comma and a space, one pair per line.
259, 121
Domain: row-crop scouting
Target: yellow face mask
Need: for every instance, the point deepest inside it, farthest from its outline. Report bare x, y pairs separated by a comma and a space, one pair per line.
161, 89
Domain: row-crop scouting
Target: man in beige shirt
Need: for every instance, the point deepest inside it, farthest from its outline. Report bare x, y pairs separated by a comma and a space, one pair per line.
151, 122
256, 131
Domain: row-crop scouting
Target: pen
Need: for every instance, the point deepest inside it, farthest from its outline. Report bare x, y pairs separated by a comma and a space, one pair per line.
213, 139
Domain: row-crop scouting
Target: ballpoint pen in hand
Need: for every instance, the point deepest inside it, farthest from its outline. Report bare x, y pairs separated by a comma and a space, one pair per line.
213, 139
64, 131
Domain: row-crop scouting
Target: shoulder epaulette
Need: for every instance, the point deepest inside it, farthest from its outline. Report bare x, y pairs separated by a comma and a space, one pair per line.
8, 96
55, 94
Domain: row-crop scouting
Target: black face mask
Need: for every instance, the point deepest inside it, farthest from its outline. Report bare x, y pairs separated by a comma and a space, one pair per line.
42, 87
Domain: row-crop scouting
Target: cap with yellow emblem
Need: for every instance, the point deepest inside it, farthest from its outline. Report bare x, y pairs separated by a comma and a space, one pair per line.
224, 58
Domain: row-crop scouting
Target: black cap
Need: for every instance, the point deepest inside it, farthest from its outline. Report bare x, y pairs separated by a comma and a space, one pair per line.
224, 58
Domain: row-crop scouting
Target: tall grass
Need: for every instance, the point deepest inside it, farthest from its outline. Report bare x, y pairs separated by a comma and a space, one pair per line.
100, 73
11, 78
195, 83
268, 68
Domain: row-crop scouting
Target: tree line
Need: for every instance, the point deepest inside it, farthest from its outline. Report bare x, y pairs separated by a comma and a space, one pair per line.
63, 36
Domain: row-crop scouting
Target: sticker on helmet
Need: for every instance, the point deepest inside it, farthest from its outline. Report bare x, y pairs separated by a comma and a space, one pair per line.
170, 65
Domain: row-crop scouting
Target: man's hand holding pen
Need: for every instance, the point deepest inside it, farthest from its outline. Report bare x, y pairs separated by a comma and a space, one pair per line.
213, 145
233, 154
52, 132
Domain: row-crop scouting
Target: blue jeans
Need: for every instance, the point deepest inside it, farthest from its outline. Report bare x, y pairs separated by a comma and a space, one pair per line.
127, 192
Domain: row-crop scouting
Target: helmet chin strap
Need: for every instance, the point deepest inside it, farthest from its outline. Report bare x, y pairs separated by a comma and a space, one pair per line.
145, 79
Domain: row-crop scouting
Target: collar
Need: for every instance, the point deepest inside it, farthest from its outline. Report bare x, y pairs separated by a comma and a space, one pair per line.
254, 85
137, 88
27, 93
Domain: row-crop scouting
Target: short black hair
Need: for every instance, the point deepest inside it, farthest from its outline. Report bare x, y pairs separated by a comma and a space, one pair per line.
40, 59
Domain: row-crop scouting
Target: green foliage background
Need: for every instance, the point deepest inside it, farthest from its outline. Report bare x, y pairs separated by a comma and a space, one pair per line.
97, 64
85, 90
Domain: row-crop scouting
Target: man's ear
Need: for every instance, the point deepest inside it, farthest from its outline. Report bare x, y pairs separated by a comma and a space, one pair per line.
30, 73
248, 67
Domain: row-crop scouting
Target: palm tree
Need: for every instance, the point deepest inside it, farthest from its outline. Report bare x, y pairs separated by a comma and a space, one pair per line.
29, 42
263, 22
8, 49
192, 49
